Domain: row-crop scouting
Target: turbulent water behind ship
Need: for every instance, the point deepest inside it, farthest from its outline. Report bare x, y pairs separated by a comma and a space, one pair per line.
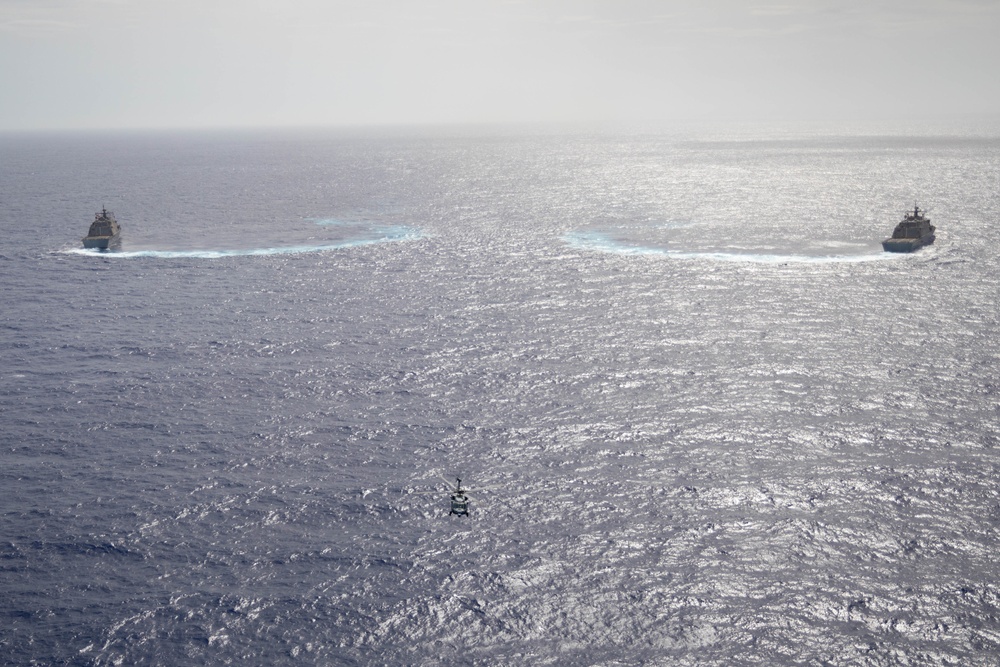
720, 425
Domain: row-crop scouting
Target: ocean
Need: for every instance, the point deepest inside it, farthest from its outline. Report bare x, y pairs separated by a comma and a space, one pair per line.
702, 417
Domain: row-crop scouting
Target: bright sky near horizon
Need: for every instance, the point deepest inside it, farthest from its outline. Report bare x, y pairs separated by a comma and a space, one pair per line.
221, 63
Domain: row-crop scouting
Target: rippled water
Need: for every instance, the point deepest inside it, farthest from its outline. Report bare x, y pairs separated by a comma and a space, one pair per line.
719, 426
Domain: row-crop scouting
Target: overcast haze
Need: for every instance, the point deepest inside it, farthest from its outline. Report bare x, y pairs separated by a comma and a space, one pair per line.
189, 63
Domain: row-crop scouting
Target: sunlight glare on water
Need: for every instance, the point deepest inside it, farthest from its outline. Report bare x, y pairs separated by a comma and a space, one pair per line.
705, 420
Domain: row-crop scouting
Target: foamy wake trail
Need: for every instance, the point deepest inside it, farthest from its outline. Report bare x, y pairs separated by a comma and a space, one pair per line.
394, 234
600, 242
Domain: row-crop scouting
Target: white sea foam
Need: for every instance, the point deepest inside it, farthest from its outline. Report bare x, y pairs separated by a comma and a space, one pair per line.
599, 241
378, 235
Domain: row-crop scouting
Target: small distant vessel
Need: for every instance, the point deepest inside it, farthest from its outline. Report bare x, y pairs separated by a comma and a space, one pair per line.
104, 231
914, 231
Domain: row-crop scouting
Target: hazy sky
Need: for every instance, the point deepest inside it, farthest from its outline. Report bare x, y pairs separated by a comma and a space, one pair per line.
181, 63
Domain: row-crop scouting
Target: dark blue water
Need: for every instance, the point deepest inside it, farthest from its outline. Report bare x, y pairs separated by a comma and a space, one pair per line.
713, 424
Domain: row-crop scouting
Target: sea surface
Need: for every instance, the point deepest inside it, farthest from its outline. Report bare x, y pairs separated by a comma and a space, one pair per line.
704, 419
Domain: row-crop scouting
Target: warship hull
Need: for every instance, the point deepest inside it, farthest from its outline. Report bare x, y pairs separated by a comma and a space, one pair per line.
102, 242
906, 245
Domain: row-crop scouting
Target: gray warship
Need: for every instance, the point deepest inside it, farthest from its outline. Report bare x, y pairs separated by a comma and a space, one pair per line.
914, 231
104, 231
